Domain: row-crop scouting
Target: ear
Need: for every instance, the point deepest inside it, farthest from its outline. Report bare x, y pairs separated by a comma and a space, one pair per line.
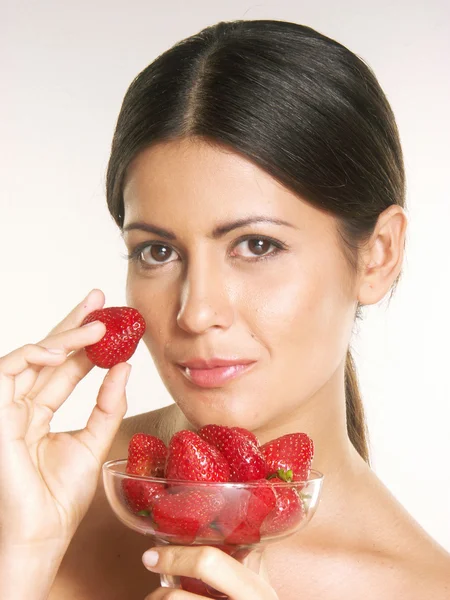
382, 256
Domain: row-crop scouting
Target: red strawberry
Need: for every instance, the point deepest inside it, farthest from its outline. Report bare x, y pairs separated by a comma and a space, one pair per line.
248, 434
290, 452
140, 495
124, 328
192, 458
240, 520
246, 460
210, 533
146, 455
288, 512
195, 586
180, 516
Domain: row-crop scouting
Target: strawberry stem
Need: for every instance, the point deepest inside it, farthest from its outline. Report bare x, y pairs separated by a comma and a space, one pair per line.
285, 475
282, 474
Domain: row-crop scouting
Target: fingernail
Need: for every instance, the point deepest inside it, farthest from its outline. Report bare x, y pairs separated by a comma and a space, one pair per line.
91, 323
55, 350
150, 558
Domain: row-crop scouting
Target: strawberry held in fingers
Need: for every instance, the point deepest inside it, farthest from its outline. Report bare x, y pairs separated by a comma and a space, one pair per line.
125, 327
291, 452
246, 460
191, 458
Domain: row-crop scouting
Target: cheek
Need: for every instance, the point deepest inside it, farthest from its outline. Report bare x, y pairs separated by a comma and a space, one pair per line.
150, 299
302, 315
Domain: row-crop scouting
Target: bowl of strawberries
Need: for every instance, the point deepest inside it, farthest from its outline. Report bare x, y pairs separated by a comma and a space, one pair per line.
217, 486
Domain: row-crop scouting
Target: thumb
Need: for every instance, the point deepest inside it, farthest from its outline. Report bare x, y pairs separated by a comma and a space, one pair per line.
107, 415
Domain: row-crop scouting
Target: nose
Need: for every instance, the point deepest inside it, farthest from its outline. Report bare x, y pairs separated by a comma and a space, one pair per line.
205, 299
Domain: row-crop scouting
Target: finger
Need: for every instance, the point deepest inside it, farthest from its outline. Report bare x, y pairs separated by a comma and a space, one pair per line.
33, 380
105, 419
171, 594
77, 338
61, 382
213, 567
93, 301
21, 359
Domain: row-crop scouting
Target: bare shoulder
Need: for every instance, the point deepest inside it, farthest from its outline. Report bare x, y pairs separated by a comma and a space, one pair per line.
431, 570
103, 561
408, 563
412, 579
325, 571
402, 577
413, 568
371, 549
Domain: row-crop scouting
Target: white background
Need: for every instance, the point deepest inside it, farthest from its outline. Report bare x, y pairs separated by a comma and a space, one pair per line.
65, 68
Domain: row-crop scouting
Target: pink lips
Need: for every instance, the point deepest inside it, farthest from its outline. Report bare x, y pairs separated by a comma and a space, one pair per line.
214, 372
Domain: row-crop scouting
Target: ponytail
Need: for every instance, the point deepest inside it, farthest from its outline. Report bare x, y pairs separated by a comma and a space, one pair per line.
356, 422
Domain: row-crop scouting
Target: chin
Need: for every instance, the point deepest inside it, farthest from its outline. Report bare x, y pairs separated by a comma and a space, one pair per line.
208, 411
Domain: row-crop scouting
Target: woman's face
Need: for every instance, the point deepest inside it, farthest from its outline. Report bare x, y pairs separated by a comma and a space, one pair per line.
279, 293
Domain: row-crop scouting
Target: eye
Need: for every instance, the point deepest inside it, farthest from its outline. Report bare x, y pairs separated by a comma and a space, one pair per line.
258, 247
150, 255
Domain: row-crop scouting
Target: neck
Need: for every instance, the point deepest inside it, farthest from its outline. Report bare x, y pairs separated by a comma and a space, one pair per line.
323, 418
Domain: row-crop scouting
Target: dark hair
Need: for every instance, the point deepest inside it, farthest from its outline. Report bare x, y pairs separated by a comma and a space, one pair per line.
299, 105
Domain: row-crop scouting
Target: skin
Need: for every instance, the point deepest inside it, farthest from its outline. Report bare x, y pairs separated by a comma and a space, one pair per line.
292, 313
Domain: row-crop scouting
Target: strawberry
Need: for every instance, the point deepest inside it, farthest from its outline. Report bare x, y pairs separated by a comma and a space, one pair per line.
248, 434
290, 452
180, 516
124, 328
140, 495
146, 455
246, 460
195, 586
240, 520
210, 533
192, 458
288, 512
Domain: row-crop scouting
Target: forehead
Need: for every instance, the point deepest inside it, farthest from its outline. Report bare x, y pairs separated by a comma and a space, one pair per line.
199, 183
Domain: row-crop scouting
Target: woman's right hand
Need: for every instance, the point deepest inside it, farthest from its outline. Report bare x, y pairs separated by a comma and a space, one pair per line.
48, 480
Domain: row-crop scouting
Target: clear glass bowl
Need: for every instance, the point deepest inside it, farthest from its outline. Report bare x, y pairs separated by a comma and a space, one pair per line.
238, 518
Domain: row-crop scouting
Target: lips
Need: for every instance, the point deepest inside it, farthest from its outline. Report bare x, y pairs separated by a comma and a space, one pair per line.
211, 363
214, 372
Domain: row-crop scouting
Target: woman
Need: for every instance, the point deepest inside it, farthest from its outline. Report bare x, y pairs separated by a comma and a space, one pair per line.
256, 175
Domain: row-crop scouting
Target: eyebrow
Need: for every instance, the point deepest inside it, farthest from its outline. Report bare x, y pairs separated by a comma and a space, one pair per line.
218, 231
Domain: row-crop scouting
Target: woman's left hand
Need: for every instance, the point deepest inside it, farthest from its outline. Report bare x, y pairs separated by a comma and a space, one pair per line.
212, 566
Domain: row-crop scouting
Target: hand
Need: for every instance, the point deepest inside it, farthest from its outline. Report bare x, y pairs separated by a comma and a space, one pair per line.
48, 480
213, 567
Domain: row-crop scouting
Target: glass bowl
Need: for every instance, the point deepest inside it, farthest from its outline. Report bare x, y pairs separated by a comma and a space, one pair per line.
238, 518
